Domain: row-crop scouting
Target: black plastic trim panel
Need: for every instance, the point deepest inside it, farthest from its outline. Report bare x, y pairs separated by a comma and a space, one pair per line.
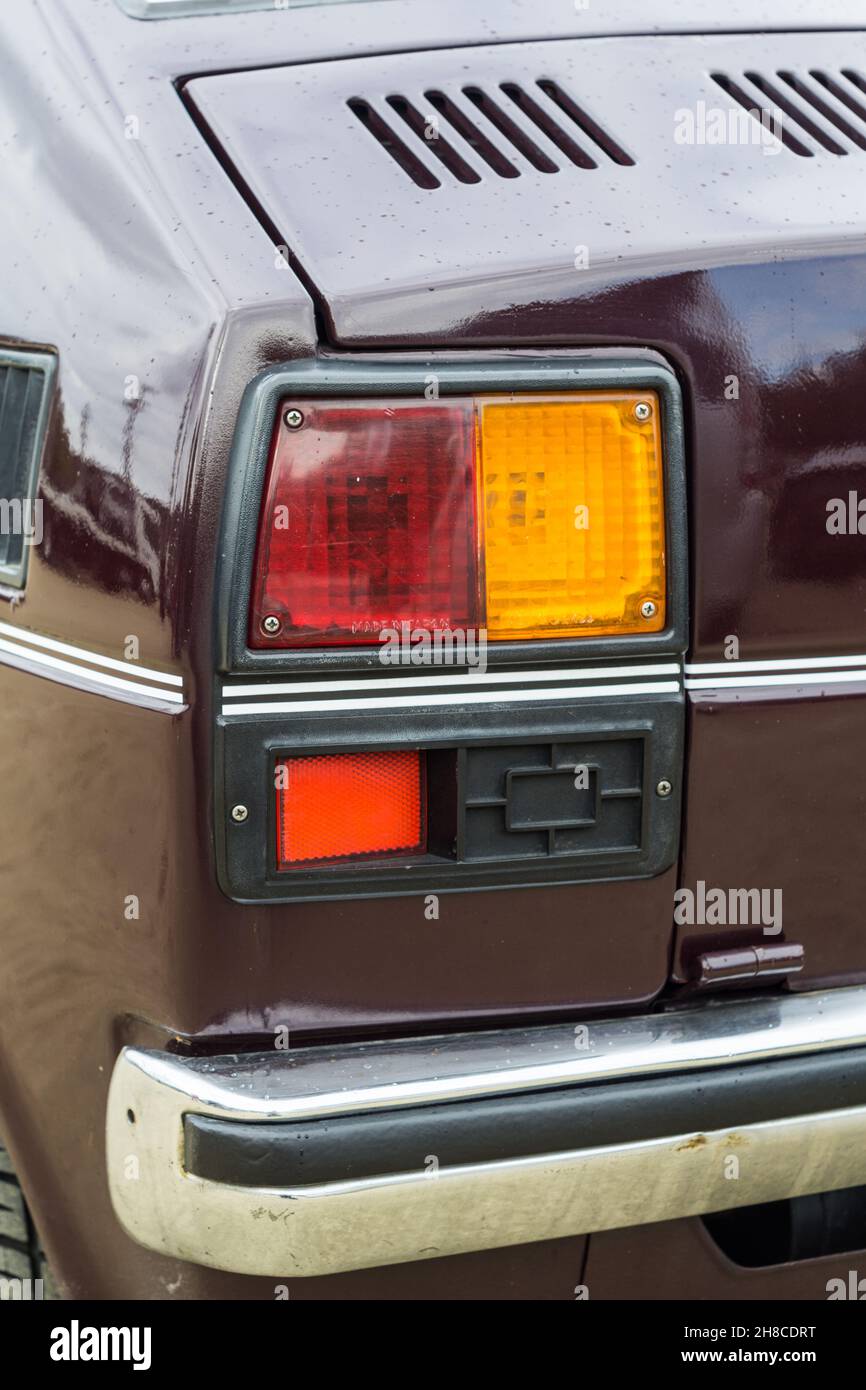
383, 1142
248, 749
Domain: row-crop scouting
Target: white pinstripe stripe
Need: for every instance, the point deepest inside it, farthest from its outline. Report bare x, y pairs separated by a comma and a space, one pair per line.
50, 644
732, 669
749, 682
461, 697
41, 663
470, 679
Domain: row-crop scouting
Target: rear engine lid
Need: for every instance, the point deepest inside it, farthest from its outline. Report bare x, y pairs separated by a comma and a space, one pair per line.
544, 166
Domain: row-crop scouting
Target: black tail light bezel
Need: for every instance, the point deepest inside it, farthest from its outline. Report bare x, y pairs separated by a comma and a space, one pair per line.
454, 375
272, 703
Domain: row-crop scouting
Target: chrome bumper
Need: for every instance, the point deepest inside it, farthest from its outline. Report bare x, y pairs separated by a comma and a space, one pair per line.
187, 1137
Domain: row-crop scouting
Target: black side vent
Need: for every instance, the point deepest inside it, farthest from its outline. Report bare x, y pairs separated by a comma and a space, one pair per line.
808, 112
497, 133
25, 379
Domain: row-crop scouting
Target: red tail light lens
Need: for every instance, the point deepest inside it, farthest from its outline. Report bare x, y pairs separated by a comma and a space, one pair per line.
349, 805
368, 522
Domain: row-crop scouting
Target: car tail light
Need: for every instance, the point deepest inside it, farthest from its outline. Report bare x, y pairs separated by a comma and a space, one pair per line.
526, 516
349, 805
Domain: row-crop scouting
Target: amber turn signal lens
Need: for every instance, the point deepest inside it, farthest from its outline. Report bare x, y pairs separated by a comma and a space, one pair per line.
349, 805
572, 510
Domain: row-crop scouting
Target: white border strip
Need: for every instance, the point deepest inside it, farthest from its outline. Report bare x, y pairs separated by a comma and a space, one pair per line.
462, 697
469, 678
50, 644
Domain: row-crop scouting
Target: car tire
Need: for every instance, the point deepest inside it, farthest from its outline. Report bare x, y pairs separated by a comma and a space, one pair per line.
21, 1255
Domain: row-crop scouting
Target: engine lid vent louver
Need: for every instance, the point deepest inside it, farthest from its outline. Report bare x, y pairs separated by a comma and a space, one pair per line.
25, 380
808, 112
498, 132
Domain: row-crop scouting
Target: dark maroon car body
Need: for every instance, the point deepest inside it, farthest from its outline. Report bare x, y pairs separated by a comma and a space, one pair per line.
154, 256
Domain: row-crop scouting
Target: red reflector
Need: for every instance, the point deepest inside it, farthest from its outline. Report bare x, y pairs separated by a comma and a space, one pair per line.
349, 804
367, 523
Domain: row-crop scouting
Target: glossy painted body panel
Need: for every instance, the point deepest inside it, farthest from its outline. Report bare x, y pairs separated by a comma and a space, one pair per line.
679, 1260
607, 182
761, 467
800, 758
143, 261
